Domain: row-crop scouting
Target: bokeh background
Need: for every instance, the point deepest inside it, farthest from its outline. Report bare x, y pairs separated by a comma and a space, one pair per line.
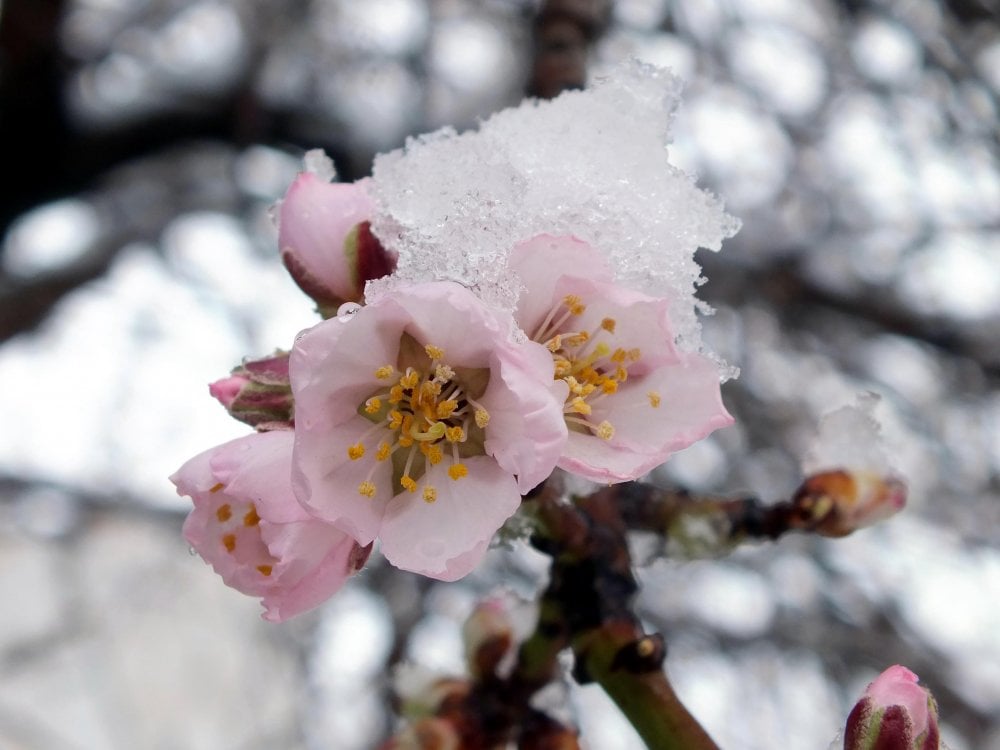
142, 143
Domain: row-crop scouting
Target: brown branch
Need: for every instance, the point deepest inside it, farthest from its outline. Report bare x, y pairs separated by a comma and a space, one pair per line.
564, 30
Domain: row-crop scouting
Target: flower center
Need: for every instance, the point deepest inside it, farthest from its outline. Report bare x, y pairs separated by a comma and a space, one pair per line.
588, 362
240, 526
426, 414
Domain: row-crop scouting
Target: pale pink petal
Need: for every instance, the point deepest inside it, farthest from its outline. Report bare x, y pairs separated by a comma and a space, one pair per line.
898, 686
315, 219
326, 480
641, 321
690, 407
526, 433
599, 461
447, 538
257, 467
534, 261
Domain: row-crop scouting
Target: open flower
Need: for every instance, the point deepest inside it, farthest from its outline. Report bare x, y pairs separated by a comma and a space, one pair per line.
326, 242
248, 526
632, 398
419, 422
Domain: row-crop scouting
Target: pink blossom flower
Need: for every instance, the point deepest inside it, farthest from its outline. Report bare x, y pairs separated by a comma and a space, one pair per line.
632, 398
419, 422
248, 526
895, 713
326, 241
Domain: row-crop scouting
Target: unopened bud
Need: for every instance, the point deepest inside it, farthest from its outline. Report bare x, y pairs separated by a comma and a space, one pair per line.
895, 713
835, 503
259, 393
488, 636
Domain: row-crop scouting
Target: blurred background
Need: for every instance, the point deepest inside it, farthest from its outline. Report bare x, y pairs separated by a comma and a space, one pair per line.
142, 143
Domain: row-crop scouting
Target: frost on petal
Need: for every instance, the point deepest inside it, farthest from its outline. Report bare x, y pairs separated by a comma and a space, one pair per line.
455, 205
244, 513
447, 538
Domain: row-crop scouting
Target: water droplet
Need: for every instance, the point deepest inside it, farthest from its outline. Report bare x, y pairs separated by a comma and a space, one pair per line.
347, 310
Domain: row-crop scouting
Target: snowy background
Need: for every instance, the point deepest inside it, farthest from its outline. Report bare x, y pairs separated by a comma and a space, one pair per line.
858, 143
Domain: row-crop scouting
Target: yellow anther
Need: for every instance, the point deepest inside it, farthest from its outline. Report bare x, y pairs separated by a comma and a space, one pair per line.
454, 434
482, 418
408, 484
621, 374
265, 570
609, 386
588, 389
224, 513
407, 427
619, 355
366, 489
356, 451
396, 394
608, 324
654, 399
405, 441
563, 367
429, 389
430, 494
634, 354
384, 451
217, 487
385, 372
433, 452
373, 405
554, 344
443, 373
578, 339
410, 379
446, 408
434, 352
395, 419
229, 542
250, 518
605, 430
457, 471
580, 406
574, 304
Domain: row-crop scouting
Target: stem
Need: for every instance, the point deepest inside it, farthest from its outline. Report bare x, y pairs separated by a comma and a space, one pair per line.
612, 657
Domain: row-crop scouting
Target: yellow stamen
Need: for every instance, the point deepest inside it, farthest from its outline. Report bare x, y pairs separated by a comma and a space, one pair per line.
608, 324
217, 487
574, 304
385, 372
373, 405
605, 430
430, 494
634, 355
251, 518
454, 434
618, 357
429, 389
654, 399
554, 344
396, 394
579, 406
367, 488
408, 484
265, 570
395, 419
446, 408
457, 471
443, 373
434, 352
384, 451
405, 441
482, 418
609, 386
229, 542
433, 452
224, 513
355, 451
410, 379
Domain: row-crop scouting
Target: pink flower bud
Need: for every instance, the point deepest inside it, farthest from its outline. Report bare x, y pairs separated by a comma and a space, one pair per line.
895, 713
326, 242
258, 393
835, 503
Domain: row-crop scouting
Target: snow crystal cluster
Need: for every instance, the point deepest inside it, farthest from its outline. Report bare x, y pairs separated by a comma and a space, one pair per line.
592, 164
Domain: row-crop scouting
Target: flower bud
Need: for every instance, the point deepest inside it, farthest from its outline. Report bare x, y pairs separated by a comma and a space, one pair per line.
835, 503
488, 636
326, 242
259, 393
427, 734
895, 713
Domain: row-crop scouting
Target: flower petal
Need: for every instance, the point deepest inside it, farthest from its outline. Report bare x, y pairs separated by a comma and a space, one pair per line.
447, 538
534, 261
